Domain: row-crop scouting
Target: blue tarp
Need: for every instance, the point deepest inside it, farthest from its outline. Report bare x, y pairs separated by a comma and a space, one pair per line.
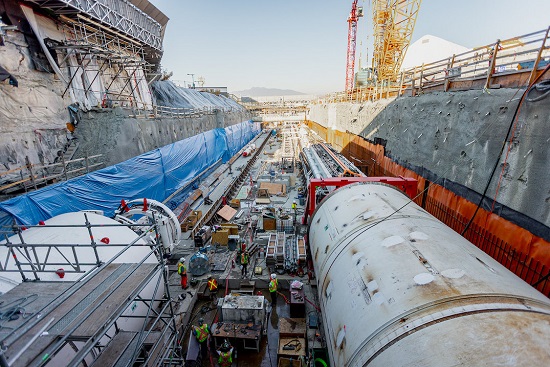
154, 175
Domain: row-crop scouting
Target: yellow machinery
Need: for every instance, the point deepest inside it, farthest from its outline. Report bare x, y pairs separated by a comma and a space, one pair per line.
394, 22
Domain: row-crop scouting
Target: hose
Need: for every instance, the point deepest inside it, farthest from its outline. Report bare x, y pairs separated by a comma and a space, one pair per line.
542, 87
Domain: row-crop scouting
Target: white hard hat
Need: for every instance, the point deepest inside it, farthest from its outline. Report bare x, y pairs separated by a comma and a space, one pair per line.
182, 259
273, 276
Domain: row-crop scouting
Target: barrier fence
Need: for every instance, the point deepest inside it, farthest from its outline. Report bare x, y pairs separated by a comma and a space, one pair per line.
527, 268
478, 68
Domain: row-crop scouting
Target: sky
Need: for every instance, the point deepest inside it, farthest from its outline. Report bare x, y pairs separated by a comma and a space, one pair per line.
301, 44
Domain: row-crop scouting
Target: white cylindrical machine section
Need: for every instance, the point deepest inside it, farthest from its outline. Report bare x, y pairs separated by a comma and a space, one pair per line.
399, 288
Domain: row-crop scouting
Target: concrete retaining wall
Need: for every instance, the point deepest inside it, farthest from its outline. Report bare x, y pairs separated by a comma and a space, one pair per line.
458, 136
120, 137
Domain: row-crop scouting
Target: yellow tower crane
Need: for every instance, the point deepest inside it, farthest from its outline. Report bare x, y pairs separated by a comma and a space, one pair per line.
394, 22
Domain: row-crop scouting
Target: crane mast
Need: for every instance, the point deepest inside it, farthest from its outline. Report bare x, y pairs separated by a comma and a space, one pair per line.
394, 22
354, 15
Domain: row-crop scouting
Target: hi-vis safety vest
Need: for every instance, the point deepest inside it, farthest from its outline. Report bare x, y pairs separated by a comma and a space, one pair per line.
273, 285
212, 285
293, 205
225, 359
244, 259
201, 333
181, 269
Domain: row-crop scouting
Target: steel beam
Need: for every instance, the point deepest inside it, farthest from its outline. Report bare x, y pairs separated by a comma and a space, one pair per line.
406, 184
120, 15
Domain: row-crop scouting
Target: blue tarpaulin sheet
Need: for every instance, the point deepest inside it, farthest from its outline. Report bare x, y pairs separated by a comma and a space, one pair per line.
154, 175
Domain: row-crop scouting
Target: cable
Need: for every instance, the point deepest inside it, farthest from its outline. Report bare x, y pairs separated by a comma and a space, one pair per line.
512, 125
543, 87
530, 88
311, 303
13, 309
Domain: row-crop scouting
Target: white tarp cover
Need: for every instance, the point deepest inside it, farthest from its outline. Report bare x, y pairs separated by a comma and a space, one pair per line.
168, 94
139, 84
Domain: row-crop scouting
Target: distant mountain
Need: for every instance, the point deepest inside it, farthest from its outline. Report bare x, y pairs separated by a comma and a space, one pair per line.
266, 92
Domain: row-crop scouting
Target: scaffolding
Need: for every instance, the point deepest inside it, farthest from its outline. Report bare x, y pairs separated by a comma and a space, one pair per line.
104, 67
86, 321
121, 15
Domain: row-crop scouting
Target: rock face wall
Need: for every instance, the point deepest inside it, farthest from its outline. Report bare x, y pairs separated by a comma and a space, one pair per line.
457, 136
33, 118
33, 115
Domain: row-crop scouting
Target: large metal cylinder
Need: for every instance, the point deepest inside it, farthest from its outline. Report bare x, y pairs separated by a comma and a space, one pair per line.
399, 288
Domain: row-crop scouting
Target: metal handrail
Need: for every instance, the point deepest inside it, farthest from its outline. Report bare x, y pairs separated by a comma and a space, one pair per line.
510, 56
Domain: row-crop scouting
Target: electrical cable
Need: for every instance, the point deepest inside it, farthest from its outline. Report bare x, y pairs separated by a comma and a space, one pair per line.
530, 88
543, 87
13, 309
510, 129
311, 303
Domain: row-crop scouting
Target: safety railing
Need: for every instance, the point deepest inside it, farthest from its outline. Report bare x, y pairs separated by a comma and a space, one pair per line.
529, 269
362, 94
88, 262
180, 112
32, 176
519, 54
473, 69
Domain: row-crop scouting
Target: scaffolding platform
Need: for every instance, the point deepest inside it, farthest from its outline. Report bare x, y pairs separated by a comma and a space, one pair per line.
83, 316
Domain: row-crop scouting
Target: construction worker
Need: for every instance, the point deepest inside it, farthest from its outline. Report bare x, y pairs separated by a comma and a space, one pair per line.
273, 284
182, 271
244, 263
225, 355
202, 332
294, 210
212, 287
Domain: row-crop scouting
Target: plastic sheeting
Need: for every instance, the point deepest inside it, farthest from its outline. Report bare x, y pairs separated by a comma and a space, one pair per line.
168, 94
155, 175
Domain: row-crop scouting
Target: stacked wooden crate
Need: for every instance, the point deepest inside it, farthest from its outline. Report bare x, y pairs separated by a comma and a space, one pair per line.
191, 220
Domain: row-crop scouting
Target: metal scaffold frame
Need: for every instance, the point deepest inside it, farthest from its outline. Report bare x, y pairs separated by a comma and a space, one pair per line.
117, 58
118, 14
156, 343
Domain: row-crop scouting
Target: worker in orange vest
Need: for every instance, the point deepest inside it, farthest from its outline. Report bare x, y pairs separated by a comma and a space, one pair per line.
244, 263
212, 287
182, 271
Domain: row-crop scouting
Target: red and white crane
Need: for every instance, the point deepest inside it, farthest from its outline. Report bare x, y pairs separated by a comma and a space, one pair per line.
354, 15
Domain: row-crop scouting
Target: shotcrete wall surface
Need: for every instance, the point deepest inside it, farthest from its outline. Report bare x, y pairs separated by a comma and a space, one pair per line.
119, 137
457, 136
